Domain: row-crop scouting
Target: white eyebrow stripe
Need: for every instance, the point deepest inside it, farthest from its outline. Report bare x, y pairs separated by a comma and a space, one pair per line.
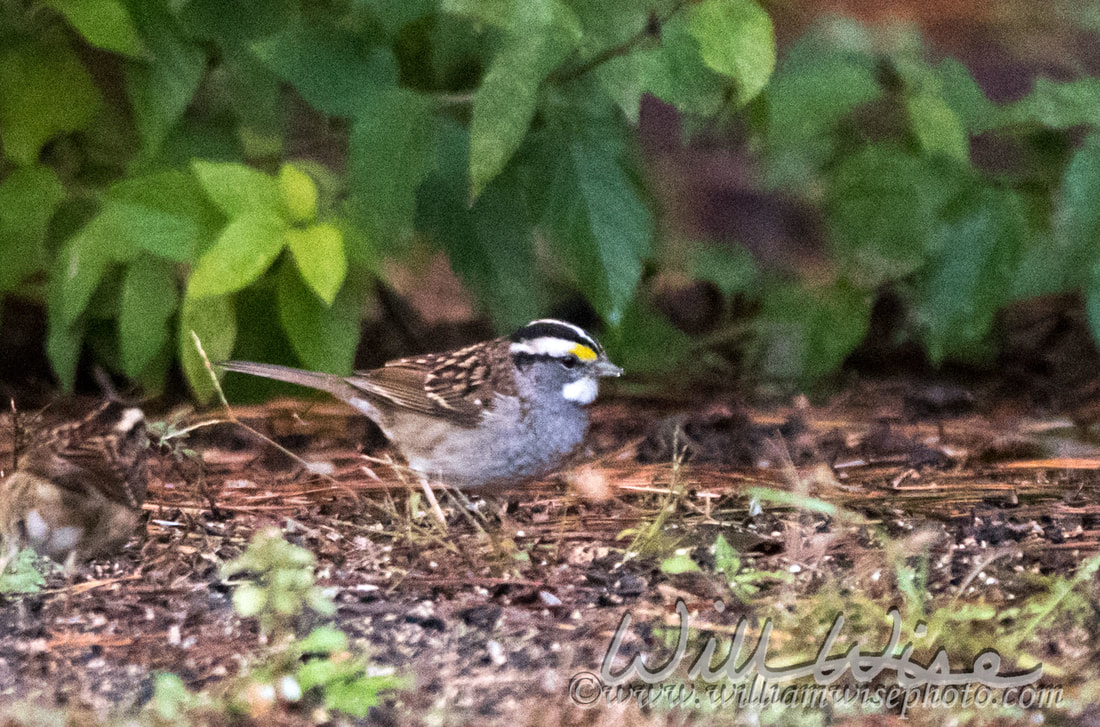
129, 419
582, 334
545, 346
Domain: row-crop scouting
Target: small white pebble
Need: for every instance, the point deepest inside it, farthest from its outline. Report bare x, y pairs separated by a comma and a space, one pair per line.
496, 652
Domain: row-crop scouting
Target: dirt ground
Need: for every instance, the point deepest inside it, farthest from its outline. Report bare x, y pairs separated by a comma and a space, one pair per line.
490, 618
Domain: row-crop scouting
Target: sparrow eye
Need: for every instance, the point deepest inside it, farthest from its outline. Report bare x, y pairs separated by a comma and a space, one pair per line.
570, 362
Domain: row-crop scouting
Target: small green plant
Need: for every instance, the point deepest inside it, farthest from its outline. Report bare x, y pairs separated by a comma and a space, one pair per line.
744, 582
23, 573
281, 584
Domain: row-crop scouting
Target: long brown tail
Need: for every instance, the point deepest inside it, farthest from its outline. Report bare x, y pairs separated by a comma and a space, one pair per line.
331, 383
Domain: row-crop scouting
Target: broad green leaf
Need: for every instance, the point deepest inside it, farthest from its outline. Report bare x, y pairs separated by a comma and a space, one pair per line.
1057, 105
736, 40
880, 206
497, 13
81, 265
105, 24
319, 253
168, 214
729, 266
336, 72
965, 97
160, 89
964, 285
1077, 215
28, 198
238, 189
391, 147
63, 345
215, 323
244, 250
806, 333
148, 300
225, 22
607, 214
938, 129
323, 336
299, 194
814, 88
44, 91
544, 33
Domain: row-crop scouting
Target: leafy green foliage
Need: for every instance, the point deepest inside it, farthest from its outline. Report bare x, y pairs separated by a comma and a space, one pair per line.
270, 162
866, 131
282, 584
487, 127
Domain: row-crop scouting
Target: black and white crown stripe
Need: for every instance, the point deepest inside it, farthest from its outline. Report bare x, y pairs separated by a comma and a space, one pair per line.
550, 337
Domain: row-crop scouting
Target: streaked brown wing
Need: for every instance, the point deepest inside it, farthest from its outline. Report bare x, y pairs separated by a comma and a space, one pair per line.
441, 385
95, 462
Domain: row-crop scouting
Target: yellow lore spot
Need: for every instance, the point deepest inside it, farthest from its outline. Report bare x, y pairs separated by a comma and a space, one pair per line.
584, 353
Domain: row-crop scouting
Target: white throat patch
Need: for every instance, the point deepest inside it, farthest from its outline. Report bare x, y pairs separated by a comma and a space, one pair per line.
582, 391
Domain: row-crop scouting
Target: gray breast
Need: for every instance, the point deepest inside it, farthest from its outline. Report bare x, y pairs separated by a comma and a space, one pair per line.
509, 444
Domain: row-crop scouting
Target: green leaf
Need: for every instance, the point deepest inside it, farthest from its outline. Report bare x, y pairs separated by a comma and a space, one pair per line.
964, 285
319, 252
806, 333
726, 559
299, 194
64, 342
104, 23
165, 213
545, 32
80, 266
323, 640
148, 300
602, 225
28, 198
735, 39
729, 266
21, 575
323, 336
1077, 214
1057, 105
815, 87
938, 129
336, 72
965, 97
679, 563
245, 249
214, 322
44, 91
880, 204
249, 600
391, 147
216, 20
356, 697
238, 189
161, 89
491, 245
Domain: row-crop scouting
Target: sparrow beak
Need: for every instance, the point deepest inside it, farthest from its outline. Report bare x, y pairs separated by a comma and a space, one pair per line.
604, 367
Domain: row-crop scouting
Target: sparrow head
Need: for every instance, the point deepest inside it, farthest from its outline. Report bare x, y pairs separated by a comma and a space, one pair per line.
563, 355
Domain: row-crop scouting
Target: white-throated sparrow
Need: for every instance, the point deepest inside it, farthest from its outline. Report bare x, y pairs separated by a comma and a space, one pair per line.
509, 408
78, 488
